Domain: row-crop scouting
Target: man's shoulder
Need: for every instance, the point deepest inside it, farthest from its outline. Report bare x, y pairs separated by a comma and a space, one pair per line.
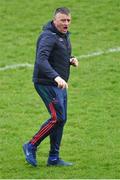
47, 36
48, 33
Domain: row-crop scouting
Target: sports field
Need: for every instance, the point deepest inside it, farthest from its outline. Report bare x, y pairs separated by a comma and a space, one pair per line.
92, 134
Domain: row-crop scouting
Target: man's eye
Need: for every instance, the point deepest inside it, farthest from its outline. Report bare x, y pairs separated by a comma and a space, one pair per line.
64, 20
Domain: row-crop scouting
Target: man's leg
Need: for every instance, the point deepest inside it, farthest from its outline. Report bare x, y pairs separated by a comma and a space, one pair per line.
54, 102
30, 148
56, 135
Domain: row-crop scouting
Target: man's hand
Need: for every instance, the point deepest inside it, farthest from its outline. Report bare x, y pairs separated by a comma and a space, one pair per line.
61, 82
74, 61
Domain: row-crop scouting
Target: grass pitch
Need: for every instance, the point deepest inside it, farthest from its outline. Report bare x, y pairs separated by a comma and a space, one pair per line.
91, 135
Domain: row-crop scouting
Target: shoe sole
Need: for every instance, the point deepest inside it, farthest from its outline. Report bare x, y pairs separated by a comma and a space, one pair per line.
29, 162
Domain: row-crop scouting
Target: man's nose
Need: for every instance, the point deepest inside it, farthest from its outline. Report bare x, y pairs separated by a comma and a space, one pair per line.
66, 22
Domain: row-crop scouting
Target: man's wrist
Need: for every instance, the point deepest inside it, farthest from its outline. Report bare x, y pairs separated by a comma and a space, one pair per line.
56, 77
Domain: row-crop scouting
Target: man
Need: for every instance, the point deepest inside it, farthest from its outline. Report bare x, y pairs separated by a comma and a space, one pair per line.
51, 73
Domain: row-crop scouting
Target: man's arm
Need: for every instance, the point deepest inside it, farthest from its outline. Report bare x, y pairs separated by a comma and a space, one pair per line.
45, 46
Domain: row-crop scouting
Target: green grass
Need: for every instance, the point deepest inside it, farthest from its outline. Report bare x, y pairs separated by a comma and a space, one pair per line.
91, 135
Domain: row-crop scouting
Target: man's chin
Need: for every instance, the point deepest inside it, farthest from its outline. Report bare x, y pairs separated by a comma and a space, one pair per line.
65, 31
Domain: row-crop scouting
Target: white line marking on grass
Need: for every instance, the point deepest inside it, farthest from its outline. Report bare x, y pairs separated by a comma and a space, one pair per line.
15, 66
98, 53
93, 54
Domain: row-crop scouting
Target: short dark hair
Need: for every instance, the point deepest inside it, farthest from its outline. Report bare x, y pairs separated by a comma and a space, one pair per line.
62, 10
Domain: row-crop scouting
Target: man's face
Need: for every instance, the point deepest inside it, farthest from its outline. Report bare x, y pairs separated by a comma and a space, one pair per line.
62, 22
